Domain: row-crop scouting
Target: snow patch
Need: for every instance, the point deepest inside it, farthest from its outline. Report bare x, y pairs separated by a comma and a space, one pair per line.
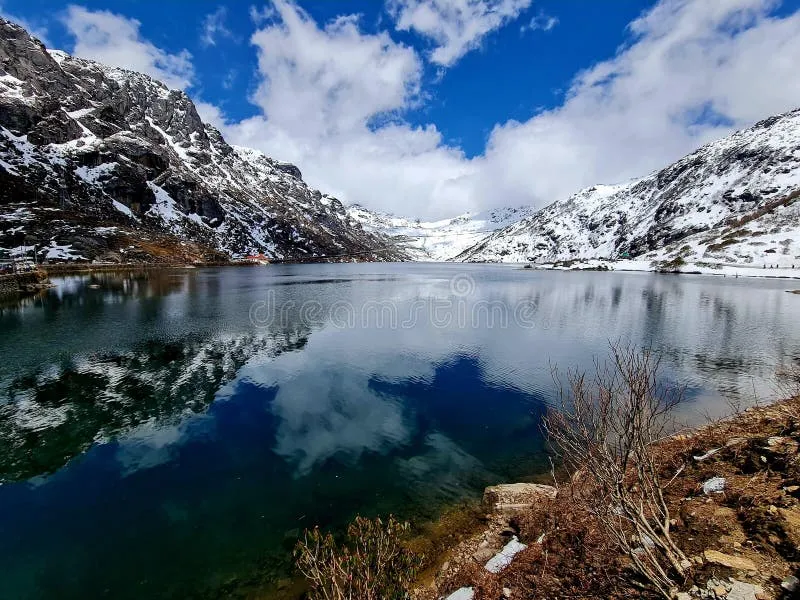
92, 175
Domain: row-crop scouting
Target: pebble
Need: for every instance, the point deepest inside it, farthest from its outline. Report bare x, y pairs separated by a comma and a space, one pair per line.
743, 591
791, 584
715, 485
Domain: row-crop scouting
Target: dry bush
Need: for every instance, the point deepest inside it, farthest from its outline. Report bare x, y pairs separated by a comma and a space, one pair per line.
372, 564
575, 558
788, 383
605, 430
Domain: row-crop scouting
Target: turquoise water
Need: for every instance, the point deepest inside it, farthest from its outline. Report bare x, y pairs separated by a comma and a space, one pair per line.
167, 435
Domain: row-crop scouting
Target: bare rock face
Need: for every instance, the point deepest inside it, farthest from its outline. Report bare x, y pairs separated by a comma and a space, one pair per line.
89, 150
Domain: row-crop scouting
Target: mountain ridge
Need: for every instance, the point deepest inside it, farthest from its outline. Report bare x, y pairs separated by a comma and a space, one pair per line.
439, 240
696, 200
106, 164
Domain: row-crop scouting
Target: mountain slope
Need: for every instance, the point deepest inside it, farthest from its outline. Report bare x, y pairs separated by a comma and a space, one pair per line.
747, 177
437, 240
103, 163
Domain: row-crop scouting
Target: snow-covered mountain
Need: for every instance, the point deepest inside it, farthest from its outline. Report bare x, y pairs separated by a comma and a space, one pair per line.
102, 163
437, 240
732, 201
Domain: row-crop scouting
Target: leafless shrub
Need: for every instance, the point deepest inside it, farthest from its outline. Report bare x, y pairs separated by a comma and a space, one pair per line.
788, 380
605, 430
372, 564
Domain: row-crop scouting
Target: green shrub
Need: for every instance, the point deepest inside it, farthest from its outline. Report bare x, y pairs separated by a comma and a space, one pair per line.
371, 564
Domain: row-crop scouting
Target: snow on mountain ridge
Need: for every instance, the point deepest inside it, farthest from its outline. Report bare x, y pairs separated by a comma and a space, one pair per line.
729, 178
440, 240
88, 148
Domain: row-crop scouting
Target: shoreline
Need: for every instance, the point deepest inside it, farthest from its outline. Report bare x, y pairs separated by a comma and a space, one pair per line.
722, 541
593, 265
647, 266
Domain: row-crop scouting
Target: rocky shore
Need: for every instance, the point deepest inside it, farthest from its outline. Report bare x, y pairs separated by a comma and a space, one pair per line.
30, 282
735, 506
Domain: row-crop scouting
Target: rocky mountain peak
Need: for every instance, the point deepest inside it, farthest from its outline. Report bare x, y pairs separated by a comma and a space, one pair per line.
114, 152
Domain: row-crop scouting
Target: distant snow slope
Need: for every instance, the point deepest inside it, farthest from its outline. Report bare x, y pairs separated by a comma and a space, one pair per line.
437, 240
730, 201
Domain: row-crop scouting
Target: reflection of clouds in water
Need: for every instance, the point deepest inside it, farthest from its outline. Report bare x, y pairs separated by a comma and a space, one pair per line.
327, 408
443, 464
712, 338
696, 334
151, 444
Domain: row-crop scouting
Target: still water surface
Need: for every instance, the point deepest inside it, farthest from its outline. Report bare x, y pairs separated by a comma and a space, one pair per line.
166, 435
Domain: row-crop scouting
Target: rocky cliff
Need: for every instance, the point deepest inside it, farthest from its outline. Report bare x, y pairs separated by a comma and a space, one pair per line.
100, 163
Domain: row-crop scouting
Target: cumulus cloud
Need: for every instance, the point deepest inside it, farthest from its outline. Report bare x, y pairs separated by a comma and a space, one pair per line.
210, 113
214, 27
454, 26
116, 40
694, 71
333, 97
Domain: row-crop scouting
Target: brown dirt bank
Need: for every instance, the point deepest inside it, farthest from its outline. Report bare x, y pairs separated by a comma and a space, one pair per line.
748, 533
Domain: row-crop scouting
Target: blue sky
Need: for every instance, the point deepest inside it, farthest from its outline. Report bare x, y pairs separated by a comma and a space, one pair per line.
433, 108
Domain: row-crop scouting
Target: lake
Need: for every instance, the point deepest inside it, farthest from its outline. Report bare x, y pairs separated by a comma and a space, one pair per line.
169, 434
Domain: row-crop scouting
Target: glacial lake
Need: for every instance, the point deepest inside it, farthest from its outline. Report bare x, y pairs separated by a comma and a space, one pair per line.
169, 434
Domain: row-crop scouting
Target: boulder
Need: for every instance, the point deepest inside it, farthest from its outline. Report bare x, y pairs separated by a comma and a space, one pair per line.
514, 496
732, 562
744, 591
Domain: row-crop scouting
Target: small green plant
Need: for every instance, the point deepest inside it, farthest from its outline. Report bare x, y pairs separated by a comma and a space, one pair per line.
371, 564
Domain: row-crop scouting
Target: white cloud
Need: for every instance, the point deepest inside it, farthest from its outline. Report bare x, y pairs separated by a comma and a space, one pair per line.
330, 96
454, 26
214, 27
540, 22
638, 111
210, 113
115, 40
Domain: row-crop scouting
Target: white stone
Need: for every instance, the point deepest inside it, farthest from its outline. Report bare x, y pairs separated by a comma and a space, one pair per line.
466, 593
743, 591
715, 485
502, 559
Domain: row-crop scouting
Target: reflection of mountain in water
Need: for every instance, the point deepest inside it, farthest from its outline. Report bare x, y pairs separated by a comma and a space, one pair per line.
50, 416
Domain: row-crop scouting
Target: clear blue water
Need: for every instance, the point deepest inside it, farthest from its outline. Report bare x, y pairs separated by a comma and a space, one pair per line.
166, 435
